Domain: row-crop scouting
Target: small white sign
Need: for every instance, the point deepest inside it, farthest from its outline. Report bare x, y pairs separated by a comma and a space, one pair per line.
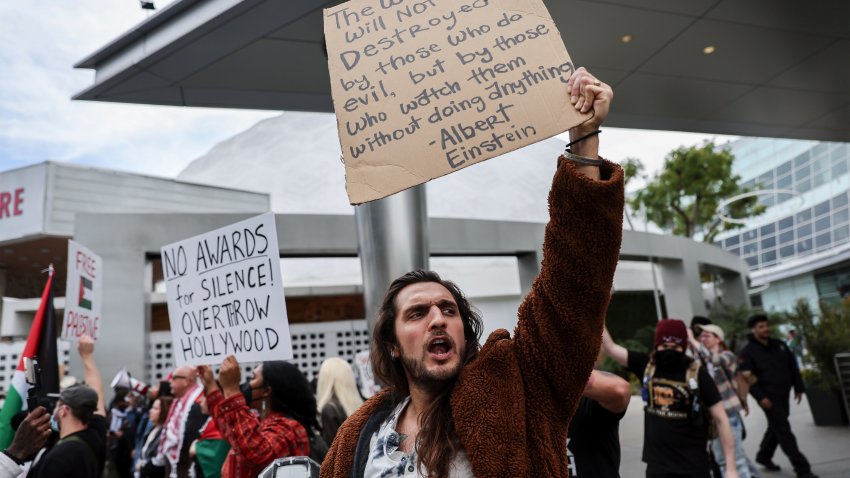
83, 293
225, 295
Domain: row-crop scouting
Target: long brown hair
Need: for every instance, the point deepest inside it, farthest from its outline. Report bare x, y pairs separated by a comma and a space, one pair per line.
437, 442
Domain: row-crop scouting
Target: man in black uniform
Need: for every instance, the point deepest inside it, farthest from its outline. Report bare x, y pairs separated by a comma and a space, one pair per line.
593, 441
775, 369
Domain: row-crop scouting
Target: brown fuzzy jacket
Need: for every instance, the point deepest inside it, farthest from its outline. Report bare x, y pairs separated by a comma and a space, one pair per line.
513, 403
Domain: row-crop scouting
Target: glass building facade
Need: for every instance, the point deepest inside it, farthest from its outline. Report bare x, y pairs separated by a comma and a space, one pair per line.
805, 186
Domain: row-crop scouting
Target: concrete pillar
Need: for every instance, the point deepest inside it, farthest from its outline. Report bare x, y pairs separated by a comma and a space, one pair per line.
392, 236
733, 288
123, 340
2, 288
682, 288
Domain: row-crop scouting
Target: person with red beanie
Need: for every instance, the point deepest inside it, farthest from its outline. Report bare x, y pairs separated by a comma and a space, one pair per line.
681, 399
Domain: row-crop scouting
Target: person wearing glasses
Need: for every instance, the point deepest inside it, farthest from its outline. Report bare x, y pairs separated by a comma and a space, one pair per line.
183, 422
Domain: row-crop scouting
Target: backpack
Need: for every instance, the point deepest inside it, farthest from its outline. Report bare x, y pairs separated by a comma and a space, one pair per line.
695, 413
318, 447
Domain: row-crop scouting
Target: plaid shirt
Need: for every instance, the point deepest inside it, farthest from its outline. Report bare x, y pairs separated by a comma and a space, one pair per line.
254, 443
723, 367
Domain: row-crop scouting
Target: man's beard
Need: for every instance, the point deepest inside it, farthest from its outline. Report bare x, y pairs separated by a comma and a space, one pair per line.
427, 379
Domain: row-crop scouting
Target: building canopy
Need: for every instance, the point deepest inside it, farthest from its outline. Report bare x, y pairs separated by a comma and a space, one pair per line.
774, 68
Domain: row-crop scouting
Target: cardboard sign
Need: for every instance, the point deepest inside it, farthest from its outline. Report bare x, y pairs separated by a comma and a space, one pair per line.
225, 295
422, 88
83, 293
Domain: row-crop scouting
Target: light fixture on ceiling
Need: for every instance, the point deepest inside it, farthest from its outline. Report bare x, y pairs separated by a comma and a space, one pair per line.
626, 39
708, 50
147, 5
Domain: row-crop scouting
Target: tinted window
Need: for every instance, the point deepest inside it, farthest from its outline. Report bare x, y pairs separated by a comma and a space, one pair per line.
786, 222
839, 217
732, 241
786, 237
768, 229
839, 201
768, 242
822, 208
786, 251
804, 215
804, 230
822, 241
783, 168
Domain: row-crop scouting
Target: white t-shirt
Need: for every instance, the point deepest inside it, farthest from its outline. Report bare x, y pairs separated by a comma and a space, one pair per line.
387, 461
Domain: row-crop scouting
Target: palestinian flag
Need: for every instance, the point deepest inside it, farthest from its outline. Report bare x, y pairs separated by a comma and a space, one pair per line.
41, 343
85, 293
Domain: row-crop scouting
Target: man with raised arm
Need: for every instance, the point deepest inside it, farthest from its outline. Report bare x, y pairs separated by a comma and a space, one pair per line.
680, 396
455, 409
80, 419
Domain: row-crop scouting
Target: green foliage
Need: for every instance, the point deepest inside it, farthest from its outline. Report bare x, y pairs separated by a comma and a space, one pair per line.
685, 195
632, 168
823, 337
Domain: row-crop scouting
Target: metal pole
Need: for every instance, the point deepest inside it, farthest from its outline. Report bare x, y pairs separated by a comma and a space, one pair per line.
392, 236
658, 314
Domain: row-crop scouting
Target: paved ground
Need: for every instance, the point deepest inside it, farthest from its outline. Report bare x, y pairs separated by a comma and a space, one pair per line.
827, 448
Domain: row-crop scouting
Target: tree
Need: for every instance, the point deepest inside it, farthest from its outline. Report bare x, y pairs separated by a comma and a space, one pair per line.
684, 197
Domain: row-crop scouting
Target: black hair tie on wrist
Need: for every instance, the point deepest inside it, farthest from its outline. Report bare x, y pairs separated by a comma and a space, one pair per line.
588, 135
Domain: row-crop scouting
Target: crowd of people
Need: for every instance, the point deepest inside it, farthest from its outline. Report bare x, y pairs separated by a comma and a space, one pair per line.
528, 404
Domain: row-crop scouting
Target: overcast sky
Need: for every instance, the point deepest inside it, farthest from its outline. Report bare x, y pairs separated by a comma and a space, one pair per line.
41, 40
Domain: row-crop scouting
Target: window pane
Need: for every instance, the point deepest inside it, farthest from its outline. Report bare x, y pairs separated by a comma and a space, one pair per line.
769, 199
732, 241
750, 235
839, 217
839, 169
768, 242
785, 181
803, 172
822, 208
769, 256
820, 178
840, 234
804, 246
822, 241
786, 222
839, 201
804, 215
801, 159
786, 251
804, 229
765, 179
783, 168
786, 237
803, 185
768, 229
822, 224
752, 261
750, 249
839, 153
736, 251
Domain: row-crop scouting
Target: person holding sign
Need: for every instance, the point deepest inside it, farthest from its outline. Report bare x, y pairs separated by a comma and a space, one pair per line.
287, 408
455, 409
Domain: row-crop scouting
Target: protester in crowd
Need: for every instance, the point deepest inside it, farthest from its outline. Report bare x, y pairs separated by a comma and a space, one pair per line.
593, 441
454, 410
722, 365
287, 412
775, 369
30, 436
80, 419
210, 449
182, 424
120, 434
337, 395
161, 389
680, 398
150, 464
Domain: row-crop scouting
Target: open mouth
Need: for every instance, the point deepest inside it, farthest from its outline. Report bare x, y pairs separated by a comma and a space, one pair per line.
440, 348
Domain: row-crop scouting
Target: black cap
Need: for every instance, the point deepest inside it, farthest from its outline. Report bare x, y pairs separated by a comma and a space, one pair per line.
754, 319
81, 398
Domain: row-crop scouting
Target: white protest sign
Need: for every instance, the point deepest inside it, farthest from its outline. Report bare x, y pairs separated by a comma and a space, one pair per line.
422, 88
225, 295
83, 293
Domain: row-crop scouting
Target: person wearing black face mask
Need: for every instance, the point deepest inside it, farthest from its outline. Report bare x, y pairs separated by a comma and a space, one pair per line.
679, 396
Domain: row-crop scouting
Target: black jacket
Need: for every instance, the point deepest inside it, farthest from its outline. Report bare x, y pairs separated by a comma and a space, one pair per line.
774, 366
